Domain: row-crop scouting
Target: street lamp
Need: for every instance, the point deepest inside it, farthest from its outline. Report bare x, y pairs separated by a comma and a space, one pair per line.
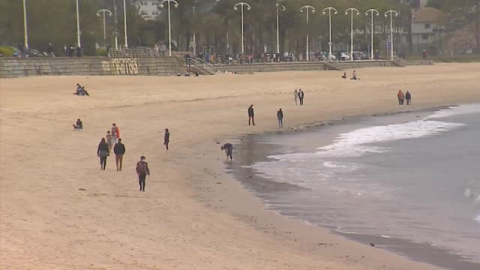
115, 33
278, 28
374, 12
175, 3
391, 12
330, 9
307, 8
79, 45
25, 27
242, 4
125, 23
352, 11
194, 34
104, 11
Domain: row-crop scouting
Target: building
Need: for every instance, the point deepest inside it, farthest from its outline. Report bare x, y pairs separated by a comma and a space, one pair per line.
425, 23
148, 9
416, 4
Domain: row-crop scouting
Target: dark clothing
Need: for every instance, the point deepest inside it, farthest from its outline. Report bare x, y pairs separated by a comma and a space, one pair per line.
251, 111
119, 149
78, 125
141, 181
103, 152
301, 95
166, 139
228, 147
408, 97
280, 118
251, 116
142, 171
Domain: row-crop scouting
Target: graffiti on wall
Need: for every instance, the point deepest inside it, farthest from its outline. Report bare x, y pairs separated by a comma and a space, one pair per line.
125, 66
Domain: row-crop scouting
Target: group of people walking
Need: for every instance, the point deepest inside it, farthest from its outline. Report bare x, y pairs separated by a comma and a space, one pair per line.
113, 140
404, 96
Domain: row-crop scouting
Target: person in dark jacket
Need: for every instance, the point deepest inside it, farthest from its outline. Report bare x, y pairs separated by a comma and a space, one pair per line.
119, 150
142, 171
251, 115
166, 138
280, 118
78, 124
103, 152
228, 147
301, 95
408, 97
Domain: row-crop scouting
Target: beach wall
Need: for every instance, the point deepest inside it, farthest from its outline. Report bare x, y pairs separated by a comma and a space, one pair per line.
301, 66
90, 66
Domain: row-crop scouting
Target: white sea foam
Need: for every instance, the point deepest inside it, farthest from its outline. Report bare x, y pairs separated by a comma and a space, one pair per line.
477, 219
359, 142
456, 110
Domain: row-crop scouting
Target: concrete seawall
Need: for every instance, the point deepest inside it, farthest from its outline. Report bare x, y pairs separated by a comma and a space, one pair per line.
91, 66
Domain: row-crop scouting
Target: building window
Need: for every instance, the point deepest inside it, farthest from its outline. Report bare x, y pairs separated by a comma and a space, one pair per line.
424, 36
428, 26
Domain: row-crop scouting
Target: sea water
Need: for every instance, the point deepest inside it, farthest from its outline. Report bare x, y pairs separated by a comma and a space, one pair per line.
413, 178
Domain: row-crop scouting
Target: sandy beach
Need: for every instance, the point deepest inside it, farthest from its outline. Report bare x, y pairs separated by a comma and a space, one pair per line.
58, 210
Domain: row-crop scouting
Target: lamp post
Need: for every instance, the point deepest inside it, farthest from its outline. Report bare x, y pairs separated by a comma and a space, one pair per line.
242, 4
115, 33
392, 13
330, 9
125, 23
175, 3
278, 25
352, 11
374, 12
79, 44
103, 12
194, 36
307, 8
25, 26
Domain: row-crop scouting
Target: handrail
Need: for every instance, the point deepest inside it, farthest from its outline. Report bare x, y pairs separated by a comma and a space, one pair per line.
203, 65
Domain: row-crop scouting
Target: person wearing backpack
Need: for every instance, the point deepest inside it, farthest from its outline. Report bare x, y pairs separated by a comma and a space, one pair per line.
142, 171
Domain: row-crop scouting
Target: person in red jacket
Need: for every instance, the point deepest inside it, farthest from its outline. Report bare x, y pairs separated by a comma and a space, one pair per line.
115, 133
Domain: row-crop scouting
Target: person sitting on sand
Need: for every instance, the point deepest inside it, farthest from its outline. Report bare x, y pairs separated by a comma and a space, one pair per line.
81, 91
228, 147
354, 75
78, 125
344, 76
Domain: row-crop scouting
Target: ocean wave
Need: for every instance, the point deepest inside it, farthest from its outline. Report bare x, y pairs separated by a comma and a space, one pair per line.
477, 219
456, 110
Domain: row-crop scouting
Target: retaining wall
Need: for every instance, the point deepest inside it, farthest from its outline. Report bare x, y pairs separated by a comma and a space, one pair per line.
164, 66
300, 66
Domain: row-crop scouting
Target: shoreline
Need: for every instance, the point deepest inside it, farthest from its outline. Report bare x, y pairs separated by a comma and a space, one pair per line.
61, 212
422, 253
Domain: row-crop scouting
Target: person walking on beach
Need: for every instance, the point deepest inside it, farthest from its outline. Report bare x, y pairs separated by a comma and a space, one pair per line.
228, 147
295, 96
103, 152
280, 118
119, 150
251, 115
401, 97
301, 95
109, 140
142, 171
408, 97
166, 138
115, 133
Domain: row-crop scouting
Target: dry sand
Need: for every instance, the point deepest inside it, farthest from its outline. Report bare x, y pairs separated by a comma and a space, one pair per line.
58, 210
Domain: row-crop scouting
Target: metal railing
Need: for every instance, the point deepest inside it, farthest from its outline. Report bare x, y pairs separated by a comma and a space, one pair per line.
201, 66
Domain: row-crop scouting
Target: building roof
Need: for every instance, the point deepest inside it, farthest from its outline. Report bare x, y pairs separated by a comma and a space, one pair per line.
427, 14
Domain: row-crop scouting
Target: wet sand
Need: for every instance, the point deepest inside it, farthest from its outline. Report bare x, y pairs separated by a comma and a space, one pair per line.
59, 211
